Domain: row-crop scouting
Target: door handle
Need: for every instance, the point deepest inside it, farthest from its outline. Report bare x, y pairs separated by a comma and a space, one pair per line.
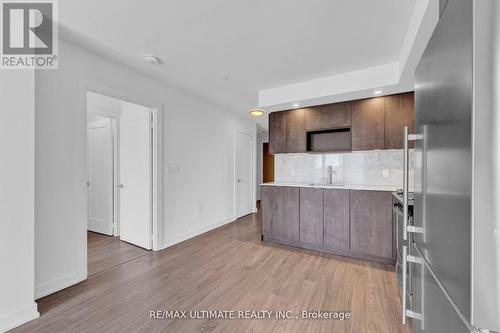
120, 186
239, 180
88, 183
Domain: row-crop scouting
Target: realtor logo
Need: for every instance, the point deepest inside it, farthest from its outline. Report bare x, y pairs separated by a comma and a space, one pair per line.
29, 34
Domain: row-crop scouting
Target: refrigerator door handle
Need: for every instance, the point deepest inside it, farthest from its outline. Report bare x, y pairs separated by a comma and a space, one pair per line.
406, 175
407, 312
403, 283
421, 259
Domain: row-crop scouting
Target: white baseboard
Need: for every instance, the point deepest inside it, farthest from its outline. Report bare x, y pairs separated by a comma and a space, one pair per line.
60, 283
19, 317
181, 238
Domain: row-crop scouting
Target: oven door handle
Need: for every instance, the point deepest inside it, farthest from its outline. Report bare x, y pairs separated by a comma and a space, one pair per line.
397, 210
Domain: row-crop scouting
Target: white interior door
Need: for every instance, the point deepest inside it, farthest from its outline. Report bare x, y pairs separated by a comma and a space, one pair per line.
100, 177
135, 177
244, 175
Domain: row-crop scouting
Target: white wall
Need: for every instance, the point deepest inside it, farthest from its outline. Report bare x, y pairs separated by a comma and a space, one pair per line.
198, 153
17, 149
102, 105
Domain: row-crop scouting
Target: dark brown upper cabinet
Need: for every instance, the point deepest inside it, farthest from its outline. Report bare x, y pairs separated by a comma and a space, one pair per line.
296, 138
368, 124
277, 132
398, 114
329, 116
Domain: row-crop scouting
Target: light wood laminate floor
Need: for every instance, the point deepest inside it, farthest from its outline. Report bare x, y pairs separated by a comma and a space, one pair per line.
227, 269
105, 252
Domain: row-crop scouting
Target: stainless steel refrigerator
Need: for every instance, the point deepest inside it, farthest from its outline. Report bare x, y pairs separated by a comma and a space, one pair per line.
453, 256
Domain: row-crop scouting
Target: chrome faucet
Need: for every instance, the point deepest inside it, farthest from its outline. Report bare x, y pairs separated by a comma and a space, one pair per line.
330, 173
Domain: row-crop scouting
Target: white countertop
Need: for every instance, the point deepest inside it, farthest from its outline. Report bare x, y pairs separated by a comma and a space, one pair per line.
337, 187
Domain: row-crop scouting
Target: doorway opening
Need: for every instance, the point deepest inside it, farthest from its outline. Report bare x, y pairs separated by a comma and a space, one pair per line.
121, 180
267, 164
244, 174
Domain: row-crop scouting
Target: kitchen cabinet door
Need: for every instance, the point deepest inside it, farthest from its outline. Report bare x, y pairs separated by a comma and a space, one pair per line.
268, 205
336, 219
329, 116
398, 113
371, 223
368, 124
277, 132
280, 213
287, 226
311, 216
296, 137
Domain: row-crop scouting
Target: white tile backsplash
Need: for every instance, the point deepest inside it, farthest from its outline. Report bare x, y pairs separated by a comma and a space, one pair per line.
355, 168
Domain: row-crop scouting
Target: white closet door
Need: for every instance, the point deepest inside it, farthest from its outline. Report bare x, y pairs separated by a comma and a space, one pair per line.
244, 179
100, 177
135, 178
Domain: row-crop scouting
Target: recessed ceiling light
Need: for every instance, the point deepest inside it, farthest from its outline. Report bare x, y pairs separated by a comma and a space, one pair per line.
152, 59
256, 112
295, 105
377, 92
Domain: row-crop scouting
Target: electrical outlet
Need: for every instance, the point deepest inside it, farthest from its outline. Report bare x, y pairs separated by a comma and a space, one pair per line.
385, 173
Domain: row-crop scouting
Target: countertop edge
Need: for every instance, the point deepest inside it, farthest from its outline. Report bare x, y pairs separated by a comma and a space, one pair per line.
333, 187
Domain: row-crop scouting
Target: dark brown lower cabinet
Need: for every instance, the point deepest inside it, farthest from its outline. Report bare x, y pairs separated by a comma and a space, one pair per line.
267, 206
371, 223
280, 213
336, 219
351, 223
311, 216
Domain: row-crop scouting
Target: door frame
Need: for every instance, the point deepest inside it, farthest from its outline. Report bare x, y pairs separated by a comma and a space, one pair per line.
115, 130
253, 168
157, 185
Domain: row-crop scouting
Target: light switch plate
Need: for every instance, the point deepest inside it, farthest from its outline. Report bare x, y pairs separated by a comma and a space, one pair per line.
385, 173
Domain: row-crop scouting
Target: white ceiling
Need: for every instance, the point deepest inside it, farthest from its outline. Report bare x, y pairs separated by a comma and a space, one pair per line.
229, 50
